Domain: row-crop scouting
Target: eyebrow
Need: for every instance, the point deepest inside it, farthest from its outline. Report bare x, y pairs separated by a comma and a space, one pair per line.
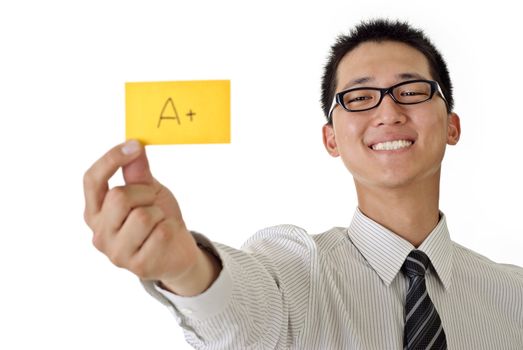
363, 80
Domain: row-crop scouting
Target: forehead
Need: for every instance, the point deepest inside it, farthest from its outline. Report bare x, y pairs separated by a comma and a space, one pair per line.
381, 64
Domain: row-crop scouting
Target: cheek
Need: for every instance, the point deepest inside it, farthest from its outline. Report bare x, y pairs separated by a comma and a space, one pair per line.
435, 136
349, 134
349, 139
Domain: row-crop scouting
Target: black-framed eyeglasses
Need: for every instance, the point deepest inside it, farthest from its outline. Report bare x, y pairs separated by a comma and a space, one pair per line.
405, 93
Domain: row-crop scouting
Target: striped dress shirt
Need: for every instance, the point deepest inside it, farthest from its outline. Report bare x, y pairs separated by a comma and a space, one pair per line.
343, 289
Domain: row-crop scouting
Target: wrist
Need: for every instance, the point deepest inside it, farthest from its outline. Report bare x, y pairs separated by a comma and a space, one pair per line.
199, 277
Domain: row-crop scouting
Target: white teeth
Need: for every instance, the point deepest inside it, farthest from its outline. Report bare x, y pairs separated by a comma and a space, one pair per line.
391, 145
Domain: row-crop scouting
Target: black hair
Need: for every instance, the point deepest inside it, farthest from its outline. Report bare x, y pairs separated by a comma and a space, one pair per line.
379, 30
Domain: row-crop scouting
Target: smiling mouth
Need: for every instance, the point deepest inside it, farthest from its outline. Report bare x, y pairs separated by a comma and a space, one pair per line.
391, 145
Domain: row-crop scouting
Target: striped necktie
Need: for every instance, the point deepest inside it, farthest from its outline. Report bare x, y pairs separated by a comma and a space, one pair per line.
423, 329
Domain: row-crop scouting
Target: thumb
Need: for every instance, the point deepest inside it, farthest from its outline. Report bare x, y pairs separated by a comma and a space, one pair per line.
137, 171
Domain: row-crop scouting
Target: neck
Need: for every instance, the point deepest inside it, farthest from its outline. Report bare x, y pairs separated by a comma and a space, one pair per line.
411, 212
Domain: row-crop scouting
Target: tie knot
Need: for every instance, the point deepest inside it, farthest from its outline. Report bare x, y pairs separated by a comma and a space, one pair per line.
416, 264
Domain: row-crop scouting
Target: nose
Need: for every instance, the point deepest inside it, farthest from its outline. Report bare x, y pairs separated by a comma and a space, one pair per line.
389, 112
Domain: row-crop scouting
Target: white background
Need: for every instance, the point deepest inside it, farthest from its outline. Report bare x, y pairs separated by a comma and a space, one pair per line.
63, 66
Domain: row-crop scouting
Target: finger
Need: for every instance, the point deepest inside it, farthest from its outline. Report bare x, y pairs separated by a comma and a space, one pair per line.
98, 175
166, 252
137, 227
138, 171
120, 200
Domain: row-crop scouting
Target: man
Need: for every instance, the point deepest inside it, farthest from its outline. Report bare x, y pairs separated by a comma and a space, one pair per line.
391, 280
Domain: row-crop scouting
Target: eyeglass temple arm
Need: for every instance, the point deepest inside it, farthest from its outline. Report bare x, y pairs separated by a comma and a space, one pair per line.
333, 105
440, 92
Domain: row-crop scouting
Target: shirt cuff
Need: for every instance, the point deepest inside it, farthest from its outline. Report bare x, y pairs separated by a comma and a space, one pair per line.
213, 300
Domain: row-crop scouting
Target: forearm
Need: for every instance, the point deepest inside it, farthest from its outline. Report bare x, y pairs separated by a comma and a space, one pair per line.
238, 310
246, 304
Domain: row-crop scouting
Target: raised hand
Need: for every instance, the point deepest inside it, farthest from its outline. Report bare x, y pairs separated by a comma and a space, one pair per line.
140, 227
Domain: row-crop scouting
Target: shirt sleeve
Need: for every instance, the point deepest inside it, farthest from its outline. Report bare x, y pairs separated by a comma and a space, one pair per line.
204, 305
258, 301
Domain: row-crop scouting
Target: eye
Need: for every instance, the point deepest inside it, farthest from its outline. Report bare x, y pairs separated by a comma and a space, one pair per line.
413, 93
360, 99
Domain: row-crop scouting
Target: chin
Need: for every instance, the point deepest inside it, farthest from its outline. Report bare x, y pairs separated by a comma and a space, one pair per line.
387, 180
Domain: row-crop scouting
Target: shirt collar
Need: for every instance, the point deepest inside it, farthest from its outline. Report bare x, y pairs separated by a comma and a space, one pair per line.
385, 251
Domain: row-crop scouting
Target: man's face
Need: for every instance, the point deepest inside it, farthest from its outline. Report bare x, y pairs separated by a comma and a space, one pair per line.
427, 125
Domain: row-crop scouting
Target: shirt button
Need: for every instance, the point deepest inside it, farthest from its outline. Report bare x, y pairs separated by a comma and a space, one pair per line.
186, 311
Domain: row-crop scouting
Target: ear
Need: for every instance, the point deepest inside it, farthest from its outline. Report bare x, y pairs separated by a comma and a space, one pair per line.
329, 140
453, 129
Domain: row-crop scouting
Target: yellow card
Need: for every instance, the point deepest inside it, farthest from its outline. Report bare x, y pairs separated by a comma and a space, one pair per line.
174, 112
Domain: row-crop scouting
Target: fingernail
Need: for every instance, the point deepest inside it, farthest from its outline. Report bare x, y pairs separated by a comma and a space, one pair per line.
130, 147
